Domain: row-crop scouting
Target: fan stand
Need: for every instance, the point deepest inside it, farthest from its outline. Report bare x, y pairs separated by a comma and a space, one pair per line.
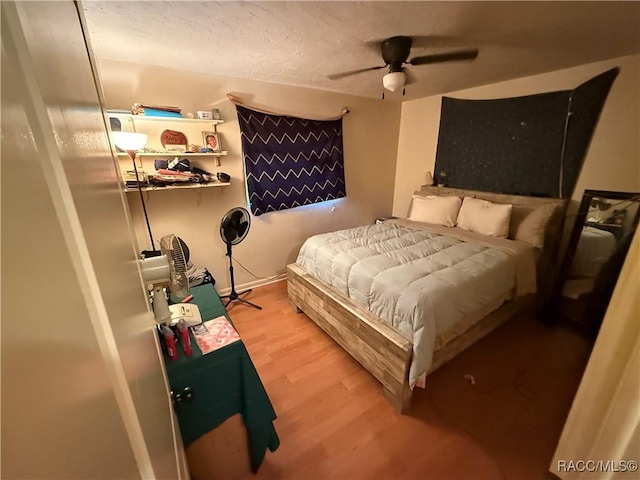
233, 295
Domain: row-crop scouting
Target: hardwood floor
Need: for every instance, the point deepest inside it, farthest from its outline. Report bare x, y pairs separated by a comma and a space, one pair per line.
334, 423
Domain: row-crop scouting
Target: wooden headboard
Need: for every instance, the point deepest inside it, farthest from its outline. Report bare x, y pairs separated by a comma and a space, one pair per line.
548, 261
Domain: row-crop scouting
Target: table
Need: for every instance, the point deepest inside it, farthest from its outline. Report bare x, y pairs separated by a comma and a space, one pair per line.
222, 384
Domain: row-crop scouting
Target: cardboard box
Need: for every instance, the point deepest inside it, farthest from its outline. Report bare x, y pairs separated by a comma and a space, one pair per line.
203, 114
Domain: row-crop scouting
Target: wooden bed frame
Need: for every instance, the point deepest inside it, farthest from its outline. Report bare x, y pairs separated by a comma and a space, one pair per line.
382, 350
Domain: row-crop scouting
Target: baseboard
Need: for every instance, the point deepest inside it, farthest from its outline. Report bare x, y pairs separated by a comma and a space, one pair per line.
255, 284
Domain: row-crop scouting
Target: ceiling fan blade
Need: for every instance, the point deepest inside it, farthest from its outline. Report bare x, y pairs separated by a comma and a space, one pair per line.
337, 76
445, 57
439, 41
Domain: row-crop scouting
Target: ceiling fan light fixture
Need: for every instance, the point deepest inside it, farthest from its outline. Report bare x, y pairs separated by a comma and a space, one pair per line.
393, 81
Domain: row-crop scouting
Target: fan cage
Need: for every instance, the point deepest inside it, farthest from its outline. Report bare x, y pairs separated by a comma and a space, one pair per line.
179, 280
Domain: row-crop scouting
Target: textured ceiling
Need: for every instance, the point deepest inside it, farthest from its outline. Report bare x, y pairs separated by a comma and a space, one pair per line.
300, 43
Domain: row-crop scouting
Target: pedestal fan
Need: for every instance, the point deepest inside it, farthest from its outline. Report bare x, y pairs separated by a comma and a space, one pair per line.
233, 229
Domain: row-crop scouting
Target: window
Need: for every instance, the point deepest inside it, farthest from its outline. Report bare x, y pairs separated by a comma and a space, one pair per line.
290, 161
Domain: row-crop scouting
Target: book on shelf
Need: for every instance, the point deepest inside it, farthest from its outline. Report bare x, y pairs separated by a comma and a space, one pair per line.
156, 110
214, 334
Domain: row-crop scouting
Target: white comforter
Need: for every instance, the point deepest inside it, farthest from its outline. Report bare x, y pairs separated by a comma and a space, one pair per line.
423, 283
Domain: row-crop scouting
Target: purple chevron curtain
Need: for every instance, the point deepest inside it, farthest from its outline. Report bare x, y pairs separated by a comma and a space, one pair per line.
290, 161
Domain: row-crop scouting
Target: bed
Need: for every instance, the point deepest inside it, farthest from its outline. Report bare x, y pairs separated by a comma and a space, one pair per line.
396, 295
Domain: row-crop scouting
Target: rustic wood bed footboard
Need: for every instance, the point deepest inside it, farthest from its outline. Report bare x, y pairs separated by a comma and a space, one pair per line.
383, 351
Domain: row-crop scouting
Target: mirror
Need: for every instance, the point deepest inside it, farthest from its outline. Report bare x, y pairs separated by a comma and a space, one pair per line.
599, 242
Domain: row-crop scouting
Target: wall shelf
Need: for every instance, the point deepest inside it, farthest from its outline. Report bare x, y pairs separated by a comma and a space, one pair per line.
153, 126
187, 186
175, 154
151, 118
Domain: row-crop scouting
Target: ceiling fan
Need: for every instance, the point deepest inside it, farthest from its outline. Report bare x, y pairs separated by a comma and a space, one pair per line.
395, 54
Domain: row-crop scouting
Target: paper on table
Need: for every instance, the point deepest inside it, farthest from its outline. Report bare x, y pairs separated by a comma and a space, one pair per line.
214, 334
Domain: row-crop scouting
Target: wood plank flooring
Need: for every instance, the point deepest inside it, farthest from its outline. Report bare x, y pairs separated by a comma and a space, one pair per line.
334, 423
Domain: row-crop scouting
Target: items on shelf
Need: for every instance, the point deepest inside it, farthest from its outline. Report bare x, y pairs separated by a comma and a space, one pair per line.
204, 115
214, 114
174, 138
148, 113
223, 177
211, 141
156, 110
177, 164
171, 150
176, 150
129, 177
174, 172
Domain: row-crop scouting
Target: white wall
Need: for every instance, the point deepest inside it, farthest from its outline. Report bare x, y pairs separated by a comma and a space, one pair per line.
370, 145
613, 158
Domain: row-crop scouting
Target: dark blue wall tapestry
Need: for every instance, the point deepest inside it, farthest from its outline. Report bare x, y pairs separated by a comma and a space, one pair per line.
290, 161
532, 145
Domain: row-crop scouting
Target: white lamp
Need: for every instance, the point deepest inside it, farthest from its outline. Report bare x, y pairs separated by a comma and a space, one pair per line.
393, 80
131, 142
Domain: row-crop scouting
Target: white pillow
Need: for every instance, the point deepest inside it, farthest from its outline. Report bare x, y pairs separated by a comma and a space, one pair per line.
482, 216
435, 210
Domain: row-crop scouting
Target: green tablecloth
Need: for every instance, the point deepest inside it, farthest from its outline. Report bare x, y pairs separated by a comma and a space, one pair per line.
223, 382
